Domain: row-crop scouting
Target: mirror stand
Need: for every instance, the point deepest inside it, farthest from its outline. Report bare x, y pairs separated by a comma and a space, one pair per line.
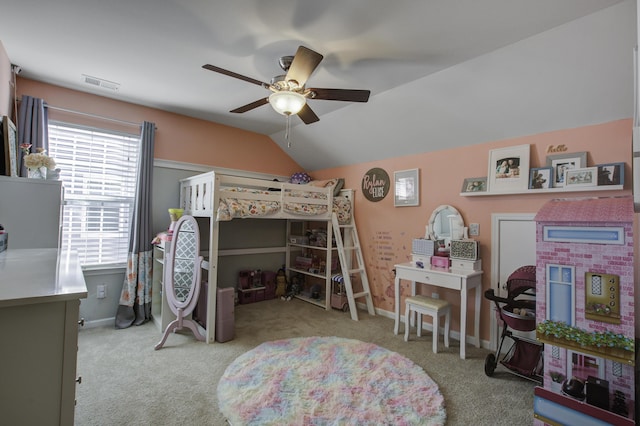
181, 277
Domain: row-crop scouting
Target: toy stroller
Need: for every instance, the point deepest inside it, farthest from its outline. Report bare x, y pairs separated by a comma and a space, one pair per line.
518, 312
339, 293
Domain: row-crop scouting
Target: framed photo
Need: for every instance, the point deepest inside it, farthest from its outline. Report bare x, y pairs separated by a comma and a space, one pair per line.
509, 169
610, 174
587, 176
407, 188
562, 162
478, 184
10, 141
540, 178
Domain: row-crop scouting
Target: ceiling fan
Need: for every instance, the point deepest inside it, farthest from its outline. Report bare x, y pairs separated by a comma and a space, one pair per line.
290, 95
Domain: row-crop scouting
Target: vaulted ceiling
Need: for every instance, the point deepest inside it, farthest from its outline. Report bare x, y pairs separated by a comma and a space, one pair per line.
442, 73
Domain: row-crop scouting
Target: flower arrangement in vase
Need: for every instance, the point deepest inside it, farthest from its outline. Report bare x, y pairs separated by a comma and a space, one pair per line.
37, 162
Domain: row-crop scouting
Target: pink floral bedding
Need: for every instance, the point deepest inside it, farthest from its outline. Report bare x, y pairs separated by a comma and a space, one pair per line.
231, 208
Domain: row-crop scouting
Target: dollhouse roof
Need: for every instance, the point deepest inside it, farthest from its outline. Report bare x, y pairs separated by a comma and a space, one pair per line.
606, 209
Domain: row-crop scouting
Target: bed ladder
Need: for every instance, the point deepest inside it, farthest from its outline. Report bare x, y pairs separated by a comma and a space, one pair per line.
346, 255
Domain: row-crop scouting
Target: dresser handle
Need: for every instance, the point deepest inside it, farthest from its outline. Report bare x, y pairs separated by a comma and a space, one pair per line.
79, 380
81, 322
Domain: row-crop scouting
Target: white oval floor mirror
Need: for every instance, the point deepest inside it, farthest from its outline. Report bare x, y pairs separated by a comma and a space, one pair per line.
182, 274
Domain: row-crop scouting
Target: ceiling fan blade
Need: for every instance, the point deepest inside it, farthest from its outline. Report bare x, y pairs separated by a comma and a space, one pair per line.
304, 63
235, 75
307, 115
251, 106
341, 95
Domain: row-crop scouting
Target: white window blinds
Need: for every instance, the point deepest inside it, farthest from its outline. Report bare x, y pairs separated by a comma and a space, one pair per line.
98, 171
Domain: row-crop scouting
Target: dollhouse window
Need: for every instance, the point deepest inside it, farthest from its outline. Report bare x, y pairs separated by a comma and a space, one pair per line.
582, 366
617, 369
561, 288
584, 234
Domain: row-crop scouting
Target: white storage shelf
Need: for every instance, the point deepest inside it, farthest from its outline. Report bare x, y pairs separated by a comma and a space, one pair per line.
324, 300
160, 311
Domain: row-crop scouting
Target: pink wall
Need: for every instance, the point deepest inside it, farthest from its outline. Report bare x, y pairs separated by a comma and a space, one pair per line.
386, 231
178, 138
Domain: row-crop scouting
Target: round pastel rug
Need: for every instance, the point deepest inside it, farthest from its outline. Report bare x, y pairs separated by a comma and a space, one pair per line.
327, 381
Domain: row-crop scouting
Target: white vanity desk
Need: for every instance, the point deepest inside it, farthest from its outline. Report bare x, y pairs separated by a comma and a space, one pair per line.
40, 292
441, 277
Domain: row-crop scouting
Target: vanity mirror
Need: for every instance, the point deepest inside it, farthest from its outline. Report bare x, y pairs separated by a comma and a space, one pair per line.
446, 224
182, 273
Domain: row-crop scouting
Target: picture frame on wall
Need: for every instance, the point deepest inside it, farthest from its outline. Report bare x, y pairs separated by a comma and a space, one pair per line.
10, 142
610, 174
477, 184
509, 169
540, 178
565, 161
586, 176
406, 188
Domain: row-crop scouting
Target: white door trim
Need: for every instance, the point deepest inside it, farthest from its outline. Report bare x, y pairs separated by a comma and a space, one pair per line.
496, 218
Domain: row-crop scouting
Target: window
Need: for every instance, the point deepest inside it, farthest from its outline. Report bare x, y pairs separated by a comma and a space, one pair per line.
561, 294
98, 171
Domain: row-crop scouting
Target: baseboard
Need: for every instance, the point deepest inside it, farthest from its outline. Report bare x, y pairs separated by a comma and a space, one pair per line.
104, 322
485, 344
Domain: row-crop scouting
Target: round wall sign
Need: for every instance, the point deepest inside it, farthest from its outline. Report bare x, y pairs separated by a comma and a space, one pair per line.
375, 184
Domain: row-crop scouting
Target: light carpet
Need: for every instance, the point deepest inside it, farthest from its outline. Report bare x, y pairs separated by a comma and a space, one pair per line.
327, 381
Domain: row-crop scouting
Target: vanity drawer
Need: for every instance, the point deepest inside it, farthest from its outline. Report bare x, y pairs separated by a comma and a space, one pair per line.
424, 260
440, 278
466, 266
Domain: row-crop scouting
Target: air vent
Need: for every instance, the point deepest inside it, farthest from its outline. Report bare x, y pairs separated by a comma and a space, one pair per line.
99, 82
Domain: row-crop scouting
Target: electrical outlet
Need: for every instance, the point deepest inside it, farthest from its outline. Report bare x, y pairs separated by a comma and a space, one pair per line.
101, 291
435, 296
474, 229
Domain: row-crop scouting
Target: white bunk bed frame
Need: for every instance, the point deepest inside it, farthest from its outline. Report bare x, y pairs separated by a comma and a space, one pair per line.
200, 197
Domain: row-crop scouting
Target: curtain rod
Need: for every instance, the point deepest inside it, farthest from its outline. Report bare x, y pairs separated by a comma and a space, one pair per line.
87, 114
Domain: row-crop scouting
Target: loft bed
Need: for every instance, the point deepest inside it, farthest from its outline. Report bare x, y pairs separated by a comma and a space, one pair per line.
221, 197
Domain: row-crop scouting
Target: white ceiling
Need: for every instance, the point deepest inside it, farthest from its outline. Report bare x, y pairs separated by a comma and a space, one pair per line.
155, 50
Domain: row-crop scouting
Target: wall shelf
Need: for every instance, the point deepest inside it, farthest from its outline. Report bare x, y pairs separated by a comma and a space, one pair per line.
545, 191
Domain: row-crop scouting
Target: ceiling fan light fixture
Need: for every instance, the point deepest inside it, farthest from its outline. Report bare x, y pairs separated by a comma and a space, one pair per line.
287, 103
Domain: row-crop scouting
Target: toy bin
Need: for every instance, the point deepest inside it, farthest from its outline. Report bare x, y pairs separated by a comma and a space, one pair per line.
246, 296
440, 261
225, 314
269, 283
244, 279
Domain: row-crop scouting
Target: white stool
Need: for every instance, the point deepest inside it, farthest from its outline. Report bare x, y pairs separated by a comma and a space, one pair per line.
423, 305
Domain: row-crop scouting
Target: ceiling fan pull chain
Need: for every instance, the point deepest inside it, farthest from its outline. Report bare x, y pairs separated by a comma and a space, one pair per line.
287, 130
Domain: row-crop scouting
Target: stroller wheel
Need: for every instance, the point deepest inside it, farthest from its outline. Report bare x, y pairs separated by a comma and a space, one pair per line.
490, 365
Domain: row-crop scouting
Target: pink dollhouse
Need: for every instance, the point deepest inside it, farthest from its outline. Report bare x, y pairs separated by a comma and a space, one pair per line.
585, 311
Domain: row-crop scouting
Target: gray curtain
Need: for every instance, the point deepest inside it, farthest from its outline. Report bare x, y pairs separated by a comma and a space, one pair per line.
33, 120
135, 298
